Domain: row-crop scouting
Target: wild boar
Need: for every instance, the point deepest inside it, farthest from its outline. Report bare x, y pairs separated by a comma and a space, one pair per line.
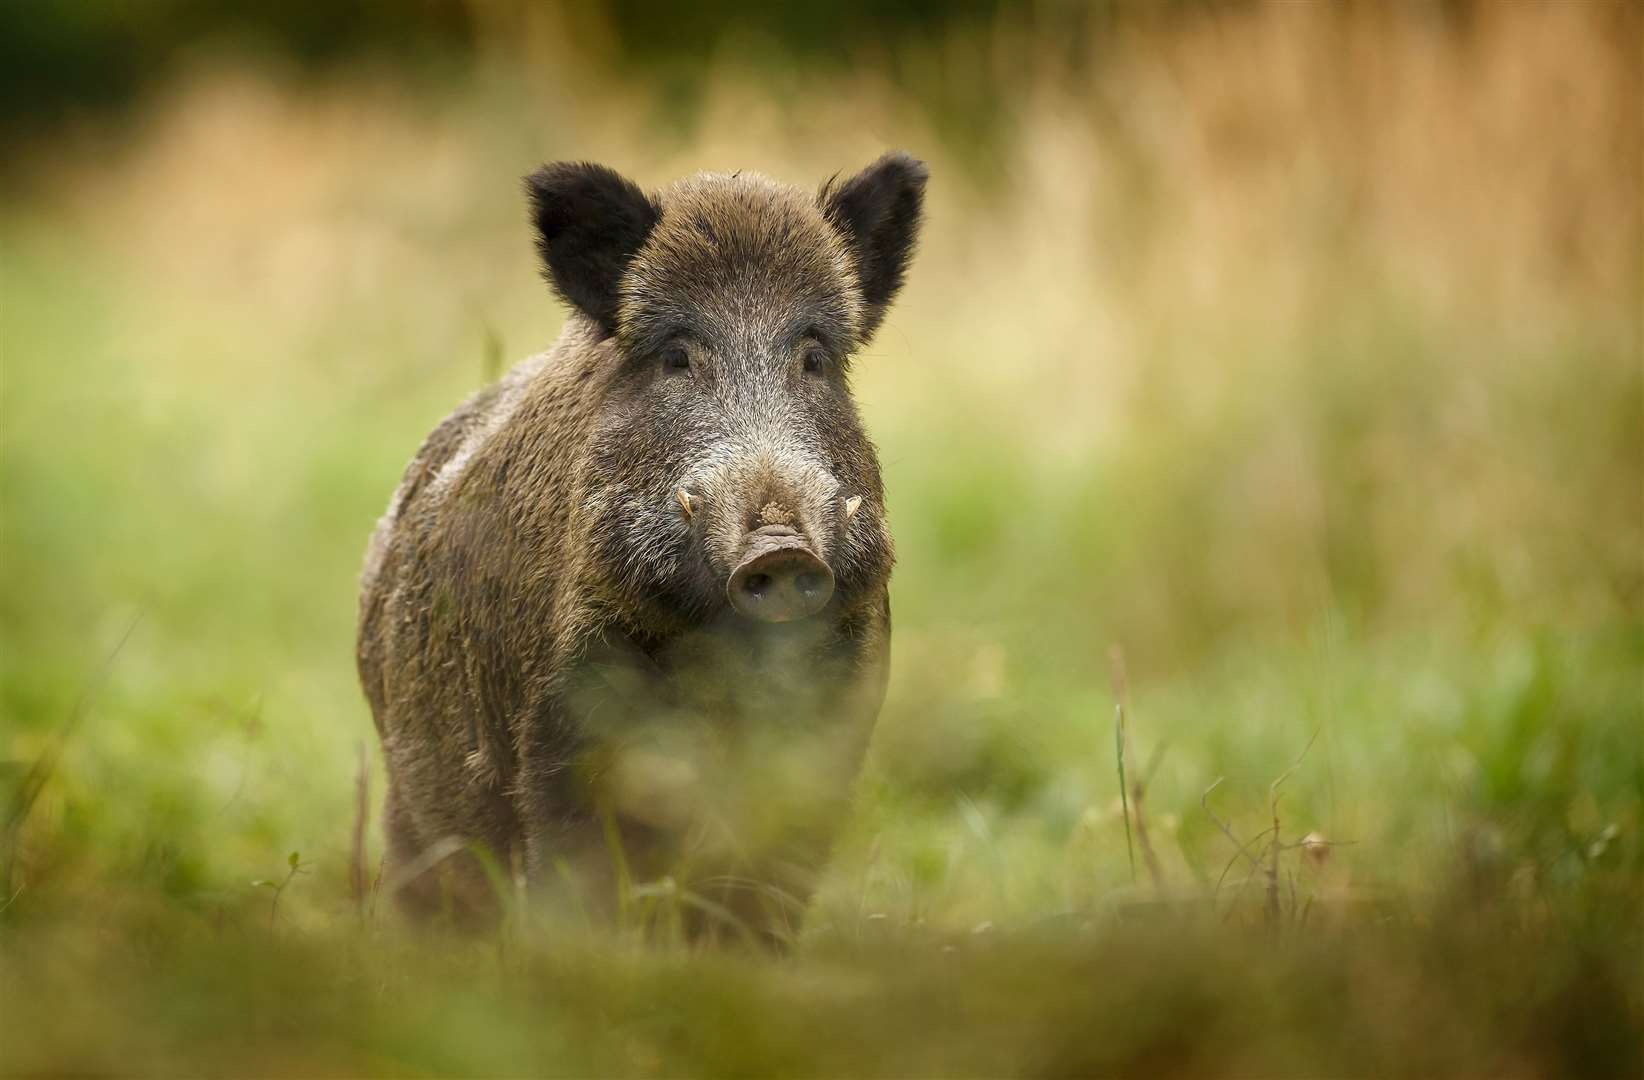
626, 618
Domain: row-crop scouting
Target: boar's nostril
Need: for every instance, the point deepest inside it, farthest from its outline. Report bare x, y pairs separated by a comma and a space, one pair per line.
780, 584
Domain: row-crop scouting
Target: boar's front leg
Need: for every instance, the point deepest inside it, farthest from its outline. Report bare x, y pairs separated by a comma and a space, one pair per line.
579, 759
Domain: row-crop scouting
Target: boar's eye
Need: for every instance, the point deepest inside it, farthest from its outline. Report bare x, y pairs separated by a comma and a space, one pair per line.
675, 359
815, 359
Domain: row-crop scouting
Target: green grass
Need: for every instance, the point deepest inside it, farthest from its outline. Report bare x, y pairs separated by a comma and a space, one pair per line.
1388, 548
1187, 999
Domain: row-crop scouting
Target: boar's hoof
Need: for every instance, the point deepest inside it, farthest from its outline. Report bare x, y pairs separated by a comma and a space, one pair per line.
781, 584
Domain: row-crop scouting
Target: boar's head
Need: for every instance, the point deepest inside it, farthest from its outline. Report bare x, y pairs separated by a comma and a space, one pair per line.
728, 471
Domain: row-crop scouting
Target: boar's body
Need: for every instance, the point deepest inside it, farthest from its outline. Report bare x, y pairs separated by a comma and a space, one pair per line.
562, 636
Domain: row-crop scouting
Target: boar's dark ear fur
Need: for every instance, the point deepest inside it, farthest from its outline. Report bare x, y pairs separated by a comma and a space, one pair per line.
589, 222
878, 211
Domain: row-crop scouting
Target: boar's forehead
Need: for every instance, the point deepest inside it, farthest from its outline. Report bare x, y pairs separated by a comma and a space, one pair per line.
741, 262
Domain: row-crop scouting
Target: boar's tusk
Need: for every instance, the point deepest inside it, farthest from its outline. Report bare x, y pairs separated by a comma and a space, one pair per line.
686, 503
852, 505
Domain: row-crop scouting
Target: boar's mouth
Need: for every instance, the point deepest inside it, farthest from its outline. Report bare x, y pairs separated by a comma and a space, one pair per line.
779, 578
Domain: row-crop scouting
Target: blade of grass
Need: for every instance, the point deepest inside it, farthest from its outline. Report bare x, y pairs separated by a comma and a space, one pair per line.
1116, 664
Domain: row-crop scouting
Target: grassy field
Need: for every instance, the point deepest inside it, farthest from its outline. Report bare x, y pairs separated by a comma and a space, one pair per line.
1295, 355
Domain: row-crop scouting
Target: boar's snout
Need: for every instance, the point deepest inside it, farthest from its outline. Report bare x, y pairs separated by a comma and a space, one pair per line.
779, 579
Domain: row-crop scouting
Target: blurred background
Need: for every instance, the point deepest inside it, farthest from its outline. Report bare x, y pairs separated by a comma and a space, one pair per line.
1292, 350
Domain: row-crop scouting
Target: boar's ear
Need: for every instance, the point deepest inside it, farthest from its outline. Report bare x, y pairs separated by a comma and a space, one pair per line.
877, 211
589, 222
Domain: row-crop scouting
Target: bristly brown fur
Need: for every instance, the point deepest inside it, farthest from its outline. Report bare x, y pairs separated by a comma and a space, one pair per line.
534, 587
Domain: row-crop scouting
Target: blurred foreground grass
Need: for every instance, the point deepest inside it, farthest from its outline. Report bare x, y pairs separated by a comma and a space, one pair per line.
1296, 353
